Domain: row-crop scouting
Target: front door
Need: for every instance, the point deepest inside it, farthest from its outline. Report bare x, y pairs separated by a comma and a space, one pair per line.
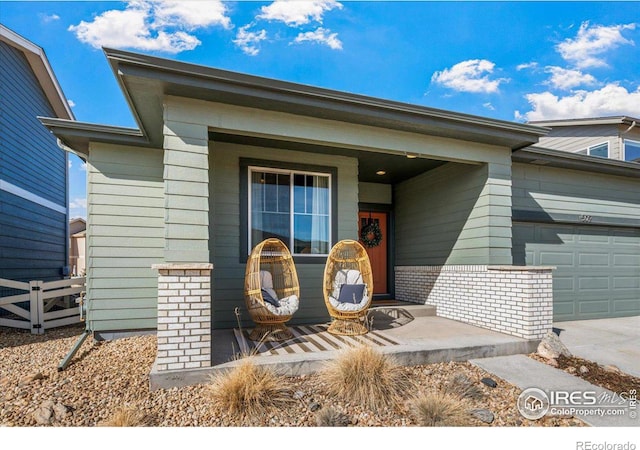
377, 254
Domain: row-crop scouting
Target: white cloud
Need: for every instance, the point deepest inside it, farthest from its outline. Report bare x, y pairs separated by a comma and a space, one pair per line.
469, 76
530, 65
71, 103
321, 36
297, 12
489, 106
46, 18
591, 44
83, 166
248, 40
611, 100
152, 25
562, 78
78, 203
70, 163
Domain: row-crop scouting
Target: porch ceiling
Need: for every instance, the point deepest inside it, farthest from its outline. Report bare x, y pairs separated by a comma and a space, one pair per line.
397, 168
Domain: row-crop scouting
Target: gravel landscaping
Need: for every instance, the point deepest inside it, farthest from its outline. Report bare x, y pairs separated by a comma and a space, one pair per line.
105, 376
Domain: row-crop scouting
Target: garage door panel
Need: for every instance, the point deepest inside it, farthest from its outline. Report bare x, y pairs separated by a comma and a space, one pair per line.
597, 268
631, 305
556, 258
594, 260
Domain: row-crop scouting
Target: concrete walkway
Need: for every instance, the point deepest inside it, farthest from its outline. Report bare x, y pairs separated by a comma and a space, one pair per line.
524, 372
605, 341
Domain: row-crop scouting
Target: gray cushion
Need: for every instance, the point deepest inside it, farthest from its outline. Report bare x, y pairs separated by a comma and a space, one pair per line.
351, 293
270, 296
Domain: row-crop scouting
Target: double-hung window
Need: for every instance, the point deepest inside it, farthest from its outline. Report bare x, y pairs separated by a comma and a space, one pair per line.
293, 206
631, 150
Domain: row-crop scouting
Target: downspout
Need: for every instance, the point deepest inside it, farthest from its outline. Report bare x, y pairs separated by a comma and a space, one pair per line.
633, 124
81, 300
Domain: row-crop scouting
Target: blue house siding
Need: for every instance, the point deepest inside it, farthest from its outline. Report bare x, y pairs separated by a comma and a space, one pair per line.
33, 178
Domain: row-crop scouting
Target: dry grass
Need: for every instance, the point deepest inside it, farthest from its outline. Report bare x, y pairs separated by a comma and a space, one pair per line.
461, 386
365, 376
249, 391
126, 416
438, 409
331, 417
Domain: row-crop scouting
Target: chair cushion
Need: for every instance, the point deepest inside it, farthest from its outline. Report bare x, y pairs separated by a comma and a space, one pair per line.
269, 295
345, 276
288, 306
266, 279
351, 293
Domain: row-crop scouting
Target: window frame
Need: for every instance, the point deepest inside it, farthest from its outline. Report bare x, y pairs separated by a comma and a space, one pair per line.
590, 147
624, 148
248, 166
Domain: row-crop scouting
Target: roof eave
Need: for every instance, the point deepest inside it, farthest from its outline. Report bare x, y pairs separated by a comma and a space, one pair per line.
195, 81
76, 136
557, 158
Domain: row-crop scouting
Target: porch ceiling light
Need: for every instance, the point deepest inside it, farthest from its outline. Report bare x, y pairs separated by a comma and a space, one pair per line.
411, 155
381, 172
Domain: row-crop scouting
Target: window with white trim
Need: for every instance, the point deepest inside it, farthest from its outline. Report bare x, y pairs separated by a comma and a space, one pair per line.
292, 206
600, 150
632, 150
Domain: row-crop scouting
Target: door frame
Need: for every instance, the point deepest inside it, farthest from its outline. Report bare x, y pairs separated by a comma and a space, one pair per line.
388, 209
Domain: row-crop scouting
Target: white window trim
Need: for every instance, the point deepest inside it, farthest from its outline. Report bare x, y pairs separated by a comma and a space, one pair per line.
598, 145
289, 244
624, 147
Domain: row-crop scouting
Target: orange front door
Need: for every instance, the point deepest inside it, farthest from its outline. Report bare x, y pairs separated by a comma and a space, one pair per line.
377, 254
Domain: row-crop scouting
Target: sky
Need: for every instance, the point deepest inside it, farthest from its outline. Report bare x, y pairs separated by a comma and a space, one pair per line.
516, 61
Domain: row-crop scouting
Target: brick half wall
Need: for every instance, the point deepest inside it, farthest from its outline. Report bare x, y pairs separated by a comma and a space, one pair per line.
184, 316
515, 300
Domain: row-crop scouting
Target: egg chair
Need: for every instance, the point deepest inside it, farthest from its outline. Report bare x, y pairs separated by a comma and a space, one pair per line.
348, 288
271, 290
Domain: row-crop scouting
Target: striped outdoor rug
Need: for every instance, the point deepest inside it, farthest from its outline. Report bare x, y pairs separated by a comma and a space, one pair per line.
312, 338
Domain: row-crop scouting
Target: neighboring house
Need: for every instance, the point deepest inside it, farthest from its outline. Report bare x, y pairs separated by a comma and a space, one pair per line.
77, 246
608, 137
222, 160
33, 169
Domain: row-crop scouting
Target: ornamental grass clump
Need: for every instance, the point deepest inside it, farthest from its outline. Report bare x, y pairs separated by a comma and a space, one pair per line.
249, 391
331, 417
461, 386
126, 416
438, 409
365, 376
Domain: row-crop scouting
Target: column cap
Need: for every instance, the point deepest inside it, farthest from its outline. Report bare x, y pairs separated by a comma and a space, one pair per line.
183, 266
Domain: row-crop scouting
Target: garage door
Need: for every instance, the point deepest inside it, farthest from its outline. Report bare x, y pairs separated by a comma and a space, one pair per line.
598, 268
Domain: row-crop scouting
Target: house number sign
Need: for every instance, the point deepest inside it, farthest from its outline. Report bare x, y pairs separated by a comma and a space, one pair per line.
585, 218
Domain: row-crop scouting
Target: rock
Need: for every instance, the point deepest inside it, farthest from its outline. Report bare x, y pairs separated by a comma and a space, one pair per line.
298, 395
4, 382
552, 362
44, 414
60, 411
489, 382
314, 406
29, 378
551, 347
571, 369
483, 415
611, 369
584, 369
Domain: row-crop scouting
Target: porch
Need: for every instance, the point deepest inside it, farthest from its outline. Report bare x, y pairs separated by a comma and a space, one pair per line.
411, 333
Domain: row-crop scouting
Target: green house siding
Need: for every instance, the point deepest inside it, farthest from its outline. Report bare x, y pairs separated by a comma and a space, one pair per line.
454, 214
225, 228
125, 234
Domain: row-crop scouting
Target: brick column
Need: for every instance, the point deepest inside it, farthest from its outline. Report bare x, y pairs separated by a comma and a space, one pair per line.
184, 316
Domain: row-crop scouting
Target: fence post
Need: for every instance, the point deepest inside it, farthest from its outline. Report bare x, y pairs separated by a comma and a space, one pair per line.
36, 307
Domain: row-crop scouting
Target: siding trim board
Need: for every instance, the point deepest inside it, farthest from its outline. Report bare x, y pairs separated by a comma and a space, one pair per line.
576, 219
23, 193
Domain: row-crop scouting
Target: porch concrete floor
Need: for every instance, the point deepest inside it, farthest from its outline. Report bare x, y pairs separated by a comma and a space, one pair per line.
422, 339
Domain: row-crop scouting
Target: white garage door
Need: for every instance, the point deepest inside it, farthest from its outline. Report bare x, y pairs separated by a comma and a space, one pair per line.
598, 268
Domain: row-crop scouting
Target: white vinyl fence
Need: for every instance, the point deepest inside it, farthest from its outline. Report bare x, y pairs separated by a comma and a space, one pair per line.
43, 305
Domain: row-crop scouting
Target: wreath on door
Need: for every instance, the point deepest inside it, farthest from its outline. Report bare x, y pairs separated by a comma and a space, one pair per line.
370, 234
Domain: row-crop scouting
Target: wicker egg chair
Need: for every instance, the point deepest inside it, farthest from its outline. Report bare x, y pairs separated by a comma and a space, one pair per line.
347, 263
270, 268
